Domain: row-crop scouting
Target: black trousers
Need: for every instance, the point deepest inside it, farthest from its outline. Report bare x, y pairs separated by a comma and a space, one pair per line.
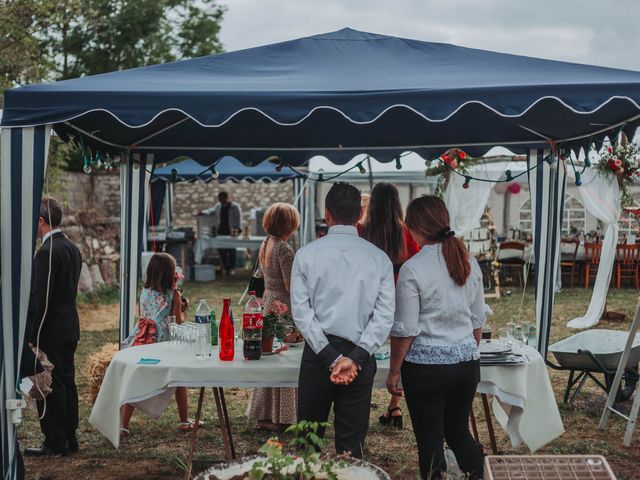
227, 258
351, 403
439, 398
60, 420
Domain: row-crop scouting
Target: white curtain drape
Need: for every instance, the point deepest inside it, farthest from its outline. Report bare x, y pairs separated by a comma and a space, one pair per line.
601, 197
466, 205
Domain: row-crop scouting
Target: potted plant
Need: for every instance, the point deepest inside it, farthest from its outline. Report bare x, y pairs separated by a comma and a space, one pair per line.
306, 463
274, 324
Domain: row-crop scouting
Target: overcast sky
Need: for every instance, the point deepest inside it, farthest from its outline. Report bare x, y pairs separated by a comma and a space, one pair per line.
599, 32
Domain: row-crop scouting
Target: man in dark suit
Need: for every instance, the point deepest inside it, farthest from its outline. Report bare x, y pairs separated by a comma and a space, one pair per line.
52, 324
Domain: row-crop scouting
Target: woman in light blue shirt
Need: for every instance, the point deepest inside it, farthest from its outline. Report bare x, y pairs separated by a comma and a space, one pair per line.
434, 340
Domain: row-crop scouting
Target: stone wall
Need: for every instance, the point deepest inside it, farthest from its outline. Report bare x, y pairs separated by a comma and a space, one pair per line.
191, 198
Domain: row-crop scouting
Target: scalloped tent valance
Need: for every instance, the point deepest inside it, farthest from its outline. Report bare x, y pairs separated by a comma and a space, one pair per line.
337, 95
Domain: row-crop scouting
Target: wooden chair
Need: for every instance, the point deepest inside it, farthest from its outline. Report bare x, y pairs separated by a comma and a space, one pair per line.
592, 253
511, 258
628, 263
568, 252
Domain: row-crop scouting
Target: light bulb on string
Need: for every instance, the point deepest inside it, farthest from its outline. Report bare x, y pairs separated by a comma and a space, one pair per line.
214, 172
87, 165
361, 168
549, 159
398, 164
509, 175
174, 175
578, 179
321, 175
467, 181
427, 163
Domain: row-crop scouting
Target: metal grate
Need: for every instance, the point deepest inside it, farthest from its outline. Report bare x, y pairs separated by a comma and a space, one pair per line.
547, 467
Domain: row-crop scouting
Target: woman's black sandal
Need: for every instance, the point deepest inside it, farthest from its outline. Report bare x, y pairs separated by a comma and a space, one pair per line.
389, 420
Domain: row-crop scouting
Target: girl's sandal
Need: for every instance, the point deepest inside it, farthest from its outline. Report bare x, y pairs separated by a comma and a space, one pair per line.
189, 425
124, 433
390, 420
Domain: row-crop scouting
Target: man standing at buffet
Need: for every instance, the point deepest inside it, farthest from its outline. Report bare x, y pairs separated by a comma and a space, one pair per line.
227, 220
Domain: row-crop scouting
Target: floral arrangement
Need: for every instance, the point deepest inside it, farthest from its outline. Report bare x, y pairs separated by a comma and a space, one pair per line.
622, 160
305, 465
276, 319
452, 159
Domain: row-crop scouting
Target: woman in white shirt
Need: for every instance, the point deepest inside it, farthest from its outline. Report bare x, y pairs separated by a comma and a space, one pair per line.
434, 340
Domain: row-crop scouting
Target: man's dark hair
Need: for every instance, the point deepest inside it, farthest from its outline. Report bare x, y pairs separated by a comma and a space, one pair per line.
343, 203
51, 212
223, 196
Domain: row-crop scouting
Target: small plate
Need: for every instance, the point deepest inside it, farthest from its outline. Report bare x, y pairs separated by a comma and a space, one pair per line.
488, 347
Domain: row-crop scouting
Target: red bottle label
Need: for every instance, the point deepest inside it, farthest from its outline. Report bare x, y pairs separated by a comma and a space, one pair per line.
252, 320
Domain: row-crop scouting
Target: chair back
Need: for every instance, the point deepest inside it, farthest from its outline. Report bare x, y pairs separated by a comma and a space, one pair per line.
511, 251
592, 253
628, 254
569, 249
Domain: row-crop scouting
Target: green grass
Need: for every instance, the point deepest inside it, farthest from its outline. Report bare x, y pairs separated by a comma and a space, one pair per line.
157, 450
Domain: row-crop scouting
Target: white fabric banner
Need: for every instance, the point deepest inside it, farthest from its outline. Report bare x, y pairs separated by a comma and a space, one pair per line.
466, 206
601, 197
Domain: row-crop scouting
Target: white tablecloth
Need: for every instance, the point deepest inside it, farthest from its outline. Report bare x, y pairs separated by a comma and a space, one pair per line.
524, 406
224, 241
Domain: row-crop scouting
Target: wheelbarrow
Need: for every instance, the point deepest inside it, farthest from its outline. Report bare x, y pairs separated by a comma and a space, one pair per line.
592, 352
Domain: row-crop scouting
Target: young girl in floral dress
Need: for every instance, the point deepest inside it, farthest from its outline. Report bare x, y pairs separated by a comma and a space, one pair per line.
159, 299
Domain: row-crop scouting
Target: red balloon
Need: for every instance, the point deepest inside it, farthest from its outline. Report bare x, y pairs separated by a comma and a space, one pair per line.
514, 188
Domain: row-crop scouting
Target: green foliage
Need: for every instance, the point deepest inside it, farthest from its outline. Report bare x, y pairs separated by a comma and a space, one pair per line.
307, 442
104, 295
89, 37
273, 326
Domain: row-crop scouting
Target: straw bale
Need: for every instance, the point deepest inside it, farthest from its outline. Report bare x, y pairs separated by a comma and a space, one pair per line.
97, 365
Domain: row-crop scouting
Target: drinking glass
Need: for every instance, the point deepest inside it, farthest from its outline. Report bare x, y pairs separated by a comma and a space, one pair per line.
516, 333
505, 336
237, 327
525, 330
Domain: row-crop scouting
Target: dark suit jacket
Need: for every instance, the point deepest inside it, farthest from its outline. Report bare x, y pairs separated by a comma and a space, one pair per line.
61, 323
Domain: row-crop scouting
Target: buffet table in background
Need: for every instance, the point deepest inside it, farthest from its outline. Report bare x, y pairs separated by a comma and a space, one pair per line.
224, 241
523, 403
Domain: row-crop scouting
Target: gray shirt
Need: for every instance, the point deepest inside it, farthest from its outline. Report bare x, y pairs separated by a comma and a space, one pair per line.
342, 285
440, 314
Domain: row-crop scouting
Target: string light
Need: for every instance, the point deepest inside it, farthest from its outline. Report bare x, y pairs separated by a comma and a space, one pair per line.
212, 169
578, 179
467, 181
280, 165
321, 175
361, 168
398, 164
174, 175
509, 175
549, 159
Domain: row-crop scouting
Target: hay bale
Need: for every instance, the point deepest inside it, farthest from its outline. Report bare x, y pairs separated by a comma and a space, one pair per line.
97, 365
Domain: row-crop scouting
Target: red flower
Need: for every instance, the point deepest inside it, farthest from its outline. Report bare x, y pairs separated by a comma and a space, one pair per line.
446, 158
462, 155
610, 150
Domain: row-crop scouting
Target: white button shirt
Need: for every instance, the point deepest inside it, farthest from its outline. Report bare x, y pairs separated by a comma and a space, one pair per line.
343, 285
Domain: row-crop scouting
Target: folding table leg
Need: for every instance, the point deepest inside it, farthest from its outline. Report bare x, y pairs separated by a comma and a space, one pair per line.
225, 425
194, 434
487, 415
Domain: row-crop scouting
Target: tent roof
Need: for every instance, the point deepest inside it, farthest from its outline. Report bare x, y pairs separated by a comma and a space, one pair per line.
228, 168
337, 94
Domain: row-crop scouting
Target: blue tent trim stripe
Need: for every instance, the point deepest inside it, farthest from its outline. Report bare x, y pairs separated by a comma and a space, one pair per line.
23, 160
228, 169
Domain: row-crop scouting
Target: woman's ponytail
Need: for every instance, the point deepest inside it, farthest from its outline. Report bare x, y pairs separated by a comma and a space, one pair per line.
428, 216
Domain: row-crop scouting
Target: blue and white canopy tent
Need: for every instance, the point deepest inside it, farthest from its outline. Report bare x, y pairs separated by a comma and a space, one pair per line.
337, 95
227, 169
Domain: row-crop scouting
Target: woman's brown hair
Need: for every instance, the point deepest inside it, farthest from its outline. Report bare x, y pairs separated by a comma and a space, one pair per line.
280, 220
160, 272
429, 217
383, 226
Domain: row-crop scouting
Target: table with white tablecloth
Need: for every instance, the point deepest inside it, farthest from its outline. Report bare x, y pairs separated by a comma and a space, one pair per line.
224, 241
524, 403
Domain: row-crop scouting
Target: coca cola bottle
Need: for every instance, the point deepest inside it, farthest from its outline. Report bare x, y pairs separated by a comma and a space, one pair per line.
226, 337
252, 323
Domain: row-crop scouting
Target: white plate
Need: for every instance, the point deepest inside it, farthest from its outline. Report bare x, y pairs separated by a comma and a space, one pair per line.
495, 347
